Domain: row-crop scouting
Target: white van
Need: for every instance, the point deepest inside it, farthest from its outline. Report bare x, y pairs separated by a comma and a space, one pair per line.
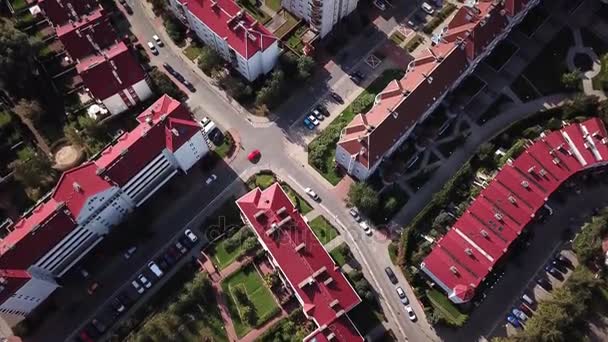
209, 127
155, 269
527, 300
137, 287
427, 8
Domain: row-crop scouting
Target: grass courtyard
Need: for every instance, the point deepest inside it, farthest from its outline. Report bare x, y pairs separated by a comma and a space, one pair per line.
193, 50
324, 230
224, 256
341, 254
259, 299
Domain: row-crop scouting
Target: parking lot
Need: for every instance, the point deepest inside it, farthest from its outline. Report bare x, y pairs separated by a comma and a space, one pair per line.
527, 261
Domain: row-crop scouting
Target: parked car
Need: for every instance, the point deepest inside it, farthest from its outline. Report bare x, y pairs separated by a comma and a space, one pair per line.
336, 97
544, 283
98, 325
137, 287
190, 235
308, 124
513, 321
526, 309
380, 5
144, 281
559, 266
169, 68
155, 269
526, 299
519, 314
204, 121
174, 252
254, 156
365, 226
355, 214
427, 8
555, 273
356, 79
563, 260
211, 178
92, 288
402, 296
189, 86
129, 252
180, 247
312, 194
321, 108
168, 258
125, 299
410, 313
127, 8
85, 337
314, 120
391, 275
152, 48
318, 115
157, 40
118, 306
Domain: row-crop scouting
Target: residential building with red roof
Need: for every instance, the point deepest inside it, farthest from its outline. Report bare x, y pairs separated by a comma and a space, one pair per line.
90, 199
455, 52
322, 15
222, 25
462, 259
323, 291
106, 65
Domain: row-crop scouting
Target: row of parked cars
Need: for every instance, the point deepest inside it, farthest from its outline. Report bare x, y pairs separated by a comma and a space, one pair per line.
557, 267
154, 270
178, 76
401, 294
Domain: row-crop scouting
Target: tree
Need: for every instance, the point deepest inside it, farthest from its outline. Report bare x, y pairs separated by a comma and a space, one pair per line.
485, 153
164, 85
158, 6
580, 105
603, 111
305, 67
33, 169
73, 136
362, 196
442, 221
209, 60
27, 109
234, 86
390, 206
250, 244
17, 56
270, 93
175, 29
571, 80
240, 295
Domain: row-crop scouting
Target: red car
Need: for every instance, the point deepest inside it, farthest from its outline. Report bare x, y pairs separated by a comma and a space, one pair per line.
84, 337
254, 156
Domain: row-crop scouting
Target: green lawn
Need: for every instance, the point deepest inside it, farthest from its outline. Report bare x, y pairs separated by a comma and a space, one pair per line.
341, 254
193, 51
258, 294
323, 229
414, 43
274, 5
18, 4
297, 200
322, 150
397, 37
443, 305
226, 148
222, 256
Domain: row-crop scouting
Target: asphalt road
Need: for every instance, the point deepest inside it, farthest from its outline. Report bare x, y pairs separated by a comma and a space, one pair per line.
191, 201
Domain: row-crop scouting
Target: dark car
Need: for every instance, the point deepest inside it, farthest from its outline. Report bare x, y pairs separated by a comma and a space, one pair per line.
555, 273
168, 258
162, 264
99, 326
178, 76
523, 307
391, 276
559, 266
189, 86
169, 68
125, 299
321, 108
186, 242
356, 79
336, 97
128, 8
545, 284
563, 260
174, 253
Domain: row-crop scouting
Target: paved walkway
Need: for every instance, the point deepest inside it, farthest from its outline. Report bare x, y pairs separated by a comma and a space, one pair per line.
479, 135
596, 67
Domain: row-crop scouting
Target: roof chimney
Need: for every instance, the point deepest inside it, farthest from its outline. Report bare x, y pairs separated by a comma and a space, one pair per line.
77, 187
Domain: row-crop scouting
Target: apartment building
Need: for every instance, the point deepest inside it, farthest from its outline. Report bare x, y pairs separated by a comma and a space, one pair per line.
107, 66
90, 199
303, 263
456, 51
462, 259
322, 15
221, 24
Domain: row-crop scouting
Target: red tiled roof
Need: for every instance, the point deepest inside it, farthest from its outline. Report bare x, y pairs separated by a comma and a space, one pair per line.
312, 273
341, 329
110, 72
403, 102
244, 34
59, 11
133, 150
75, 35
504, 208
33, 235
77, 185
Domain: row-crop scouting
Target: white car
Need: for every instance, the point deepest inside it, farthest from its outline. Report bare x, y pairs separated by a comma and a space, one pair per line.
155, 269
366, 228
152, 48
380, 5
410, 313
157, 40
355, 214
130, 252
402, 296
312, 194
180, 248
145, 282
210, 180
137, 287
427, 8
313, 119
204, 122
190, 235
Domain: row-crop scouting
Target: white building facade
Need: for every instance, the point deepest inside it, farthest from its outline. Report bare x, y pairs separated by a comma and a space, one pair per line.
322, 15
